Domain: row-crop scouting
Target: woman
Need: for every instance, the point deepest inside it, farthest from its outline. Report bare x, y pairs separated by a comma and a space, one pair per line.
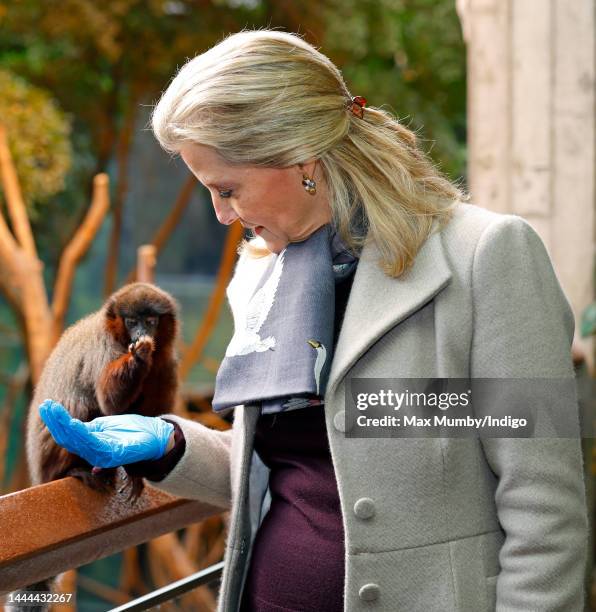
351, 217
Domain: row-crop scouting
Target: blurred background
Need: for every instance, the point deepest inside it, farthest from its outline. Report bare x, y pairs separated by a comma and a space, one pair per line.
500, 93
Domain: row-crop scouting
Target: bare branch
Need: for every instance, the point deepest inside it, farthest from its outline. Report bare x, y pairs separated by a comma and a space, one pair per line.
36, 313
14, 387
9, 252
131, 579
76, 248
224, 273
172, 562
24, 269
123, 148
8, 286
14, 198
171, 221
99, 589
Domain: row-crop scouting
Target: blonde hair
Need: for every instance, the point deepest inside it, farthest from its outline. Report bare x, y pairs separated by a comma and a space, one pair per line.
268, 98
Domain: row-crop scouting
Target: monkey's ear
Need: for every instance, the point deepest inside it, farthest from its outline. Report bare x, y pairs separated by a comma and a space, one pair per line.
110, 309
164, 307
116, 328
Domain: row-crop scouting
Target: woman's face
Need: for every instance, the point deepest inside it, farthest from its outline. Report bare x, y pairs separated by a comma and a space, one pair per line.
271, 201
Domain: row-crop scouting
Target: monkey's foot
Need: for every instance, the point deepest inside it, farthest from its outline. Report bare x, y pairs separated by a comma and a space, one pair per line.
135, 486
103, 481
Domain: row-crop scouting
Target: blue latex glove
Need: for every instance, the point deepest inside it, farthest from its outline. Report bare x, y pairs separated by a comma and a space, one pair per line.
107, 441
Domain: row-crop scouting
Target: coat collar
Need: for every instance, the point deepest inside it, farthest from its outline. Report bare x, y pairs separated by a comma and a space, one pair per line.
378, 302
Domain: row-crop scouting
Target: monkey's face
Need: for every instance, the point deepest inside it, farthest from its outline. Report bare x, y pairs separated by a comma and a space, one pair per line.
141, 309
141, 324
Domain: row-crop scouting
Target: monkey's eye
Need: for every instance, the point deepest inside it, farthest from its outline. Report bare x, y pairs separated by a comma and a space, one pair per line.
130, 322
152, 321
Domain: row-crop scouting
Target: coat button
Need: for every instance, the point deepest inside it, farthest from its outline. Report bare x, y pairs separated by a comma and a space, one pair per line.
369, 592
364, 508
339, 420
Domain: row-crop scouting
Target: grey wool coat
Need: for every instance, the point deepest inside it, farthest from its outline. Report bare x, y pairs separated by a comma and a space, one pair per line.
431, 524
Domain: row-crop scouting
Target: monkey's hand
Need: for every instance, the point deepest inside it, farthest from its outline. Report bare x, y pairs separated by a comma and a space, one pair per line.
107, 441
143, 348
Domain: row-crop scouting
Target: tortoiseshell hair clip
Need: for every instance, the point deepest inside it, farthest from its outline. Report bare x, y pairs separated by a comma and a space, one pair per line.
356, 105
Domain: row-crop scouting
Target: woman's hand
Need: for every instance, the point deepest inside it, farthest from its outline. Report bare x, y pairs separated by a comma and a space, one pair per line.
108, 441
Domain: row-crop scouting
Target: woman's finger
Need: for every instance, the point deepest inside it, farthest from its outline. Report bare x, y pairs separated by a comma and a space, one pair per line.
59, 416
95, 425
48, 416
86, 439
71, 434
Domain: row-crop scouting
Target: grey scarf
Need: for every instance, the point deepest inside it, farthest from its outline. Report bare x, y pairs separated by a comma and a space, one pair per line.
280, 355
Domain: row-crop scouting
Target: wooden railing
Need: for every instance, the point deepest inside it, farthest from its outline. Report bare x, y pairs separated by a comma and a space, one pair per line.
61, 525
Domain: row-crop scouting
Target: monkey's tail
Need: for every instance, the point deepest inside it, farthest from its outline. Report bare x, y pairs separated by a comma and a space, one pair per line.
30, 598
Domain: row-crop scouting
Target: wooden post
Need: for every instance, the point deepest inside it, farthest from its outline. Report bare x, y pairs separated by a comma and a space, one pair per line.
531, 97
146, 260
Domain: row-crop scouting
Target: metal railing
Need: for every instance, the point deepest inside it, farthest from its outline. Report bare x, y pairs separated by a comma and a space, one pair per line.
173, 590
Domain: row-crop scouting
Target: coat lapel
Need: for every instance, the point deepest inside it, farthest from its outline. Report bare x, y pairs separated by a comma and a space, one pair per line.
377, 302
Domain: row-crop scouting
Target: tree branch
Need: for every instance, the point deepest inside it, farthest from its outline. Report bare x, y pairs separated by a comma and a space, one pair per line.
25, 270
14, 386
76, 248
14, 198
9, 248
171, 221
209, 320
123, 148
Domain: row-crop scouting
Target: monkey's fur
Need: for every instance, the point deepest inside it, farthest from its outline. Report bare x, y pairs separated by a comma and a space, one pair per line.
118, 360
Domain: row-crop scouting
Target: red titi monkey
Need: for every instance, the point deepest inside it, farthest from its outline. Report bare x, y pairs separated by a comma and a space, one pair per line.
120, 359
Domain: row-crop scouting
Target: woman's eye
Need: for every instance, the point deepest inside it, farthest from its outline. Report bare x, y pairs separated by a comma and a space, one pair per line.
226, 194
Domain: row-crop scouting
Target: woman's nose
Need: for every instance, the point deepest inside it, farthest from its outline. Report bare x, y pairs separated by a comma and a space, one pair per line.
225, 213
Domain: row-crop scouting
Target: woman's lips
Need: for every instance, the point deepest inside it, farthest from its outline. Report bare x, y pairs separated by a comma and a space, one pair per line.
252, 228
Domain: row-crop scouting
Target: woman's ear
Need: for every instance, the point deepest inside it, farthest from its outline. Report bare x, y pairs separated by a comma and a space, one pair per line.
307, 167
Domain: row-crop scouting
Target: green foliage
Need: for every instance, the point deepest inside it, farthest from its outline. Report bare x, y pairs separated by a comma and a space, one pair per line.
102, 60
407, 56
38, 135
98, 57
588, 322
